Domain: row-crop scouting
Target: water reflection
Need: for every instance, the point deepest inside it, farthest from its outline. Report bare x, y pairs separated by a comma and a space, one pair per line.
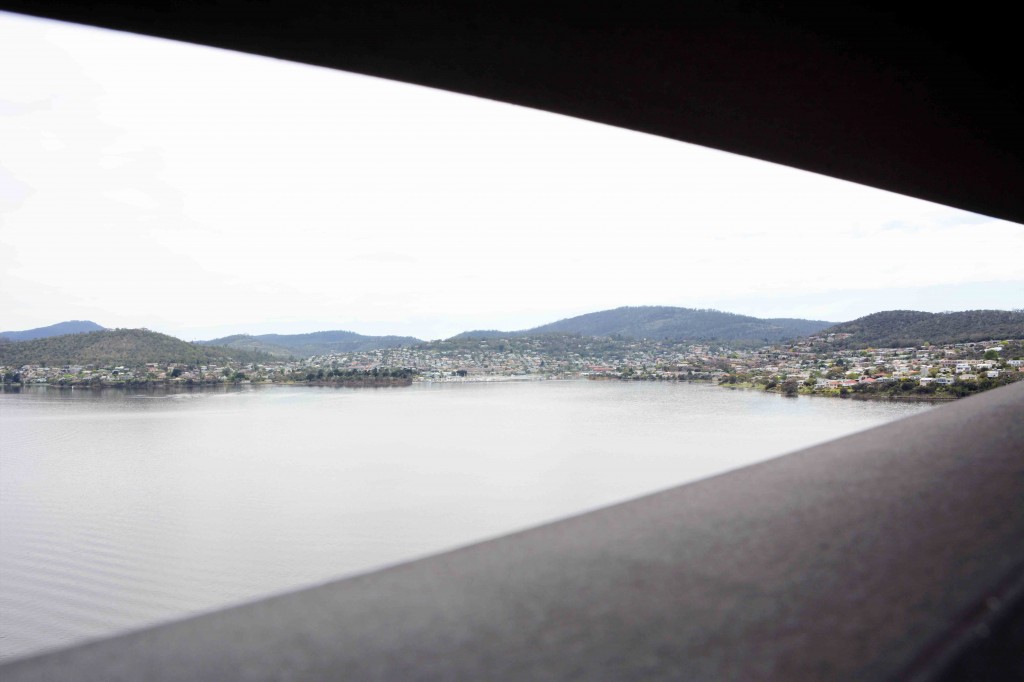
124, 508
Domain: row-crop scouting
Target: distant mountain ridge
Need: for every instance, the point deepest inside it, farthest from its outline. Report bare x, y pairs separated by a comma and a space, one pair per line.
314, 343
666, 322
88, 343
904, 328
112, 347
59, 329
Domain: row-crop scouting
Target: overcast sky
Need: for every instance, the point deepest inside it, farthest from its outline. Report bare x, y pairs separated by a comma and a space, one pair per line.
199, 192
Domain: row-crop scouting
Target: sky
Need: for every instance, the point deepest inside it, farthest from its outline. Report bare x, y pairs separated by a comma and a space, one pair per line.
201, 192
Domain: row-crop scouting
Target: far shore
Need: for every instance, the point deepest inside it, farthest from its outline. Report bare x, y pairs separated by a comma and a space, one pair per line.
395, 382
876, 397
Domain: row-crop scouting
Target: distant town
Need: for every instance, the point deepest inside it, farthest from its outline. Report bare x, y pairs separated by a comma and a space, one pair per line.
815, 365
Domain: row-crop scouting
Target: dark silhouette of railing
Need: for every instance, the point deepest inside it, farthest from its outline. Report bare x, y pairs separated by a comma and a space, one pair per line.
897, 553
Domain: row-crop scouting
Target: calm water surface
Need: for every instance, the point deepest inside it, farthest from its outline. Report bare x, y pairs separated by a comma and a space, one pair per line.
119, 510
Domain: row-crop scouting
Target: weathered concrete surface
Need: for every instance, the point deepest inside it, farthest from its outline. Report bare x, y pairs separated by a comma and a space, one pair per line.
877, 556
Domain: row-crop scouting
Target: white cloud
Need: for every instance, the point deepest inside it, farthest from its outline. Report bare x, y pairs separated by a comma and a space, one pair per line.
190, 189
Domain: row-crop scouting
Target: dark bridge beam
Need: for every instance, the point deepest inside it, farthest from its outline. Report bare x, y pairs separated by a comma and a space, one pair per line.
924, 103
883, 555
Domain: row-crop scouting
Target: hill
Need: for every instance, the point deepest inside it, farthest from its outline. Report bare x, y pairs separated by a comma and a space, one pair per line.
900, 328
485, 334
250, 343
128, 347
664, 322
59, 329
315, 343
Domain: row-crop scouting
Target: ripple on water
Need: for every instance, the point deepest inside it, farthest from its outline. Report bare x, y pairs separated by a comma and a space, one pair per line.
122, 510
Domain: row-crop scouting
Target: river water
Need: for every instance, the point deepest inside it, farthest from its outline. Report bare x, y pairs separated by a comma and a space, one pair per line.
119, 509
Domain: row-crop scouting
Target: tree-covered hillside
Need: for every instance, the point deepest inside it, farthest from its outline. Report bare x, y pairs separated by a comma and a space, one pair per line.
484, 334
127, 347
315, 343
245, 342
664, 322
904, 328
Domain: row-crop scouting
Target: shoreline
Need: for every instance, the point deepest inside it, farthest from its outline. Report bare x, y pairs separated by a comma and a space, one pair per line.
873, 397
162, 386
396, 382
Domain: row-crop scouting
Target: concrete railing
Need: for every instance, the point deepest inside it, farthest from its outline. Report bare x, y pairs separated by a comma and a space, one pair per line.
894, 553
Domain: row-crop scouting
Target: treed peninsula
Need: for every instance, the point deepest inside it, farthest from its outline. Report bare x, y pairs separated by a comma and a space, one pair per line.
893, 355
